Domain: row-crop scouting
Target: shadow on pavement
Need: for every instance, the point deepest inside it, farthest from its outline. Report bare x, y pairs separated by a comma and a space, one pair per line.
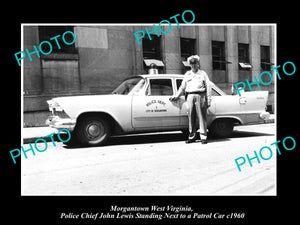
147, 138
153, 138
239, 134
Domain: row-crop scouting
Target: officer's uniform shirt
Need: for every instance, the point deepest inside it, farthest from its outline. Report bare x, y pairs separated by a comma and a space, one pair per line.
196, 82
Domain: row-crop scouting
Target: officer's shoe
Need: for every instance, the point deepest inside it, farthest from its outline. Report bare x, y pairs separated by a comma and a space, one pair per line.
188, 141
203, 141
192, 138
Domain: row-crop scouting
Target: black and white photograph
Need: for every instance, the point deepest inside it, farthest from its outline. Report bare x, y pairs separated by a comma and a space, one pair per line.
148, 109
150, 113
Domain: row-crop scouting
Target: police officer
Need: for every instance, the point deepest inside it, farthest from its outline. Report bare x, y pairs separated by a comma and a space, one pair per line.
196, 86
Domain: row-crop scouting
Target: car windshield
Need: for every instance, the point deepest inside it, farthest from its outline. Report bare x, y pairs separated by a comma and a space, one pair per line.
129, 86
216, 88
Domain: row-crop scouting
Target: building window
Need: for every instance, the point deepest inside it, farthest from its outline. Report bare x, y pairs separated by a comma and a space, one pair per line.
151, 48
218, 55
265, 63
243, 53
187, 48
47, 32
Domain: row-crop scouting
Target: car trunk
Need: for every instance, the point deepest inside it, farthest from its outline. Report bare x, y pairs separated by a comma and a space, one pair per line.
254, 101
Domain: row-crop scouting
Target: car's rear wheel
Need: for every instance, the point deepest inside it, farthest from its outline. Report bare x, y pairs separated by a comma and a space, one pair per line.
222, 128
92, 130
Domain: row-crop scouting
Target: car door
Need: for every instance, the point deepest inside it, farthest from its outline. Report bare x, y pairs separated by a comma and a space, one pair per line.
154, 110
183, 116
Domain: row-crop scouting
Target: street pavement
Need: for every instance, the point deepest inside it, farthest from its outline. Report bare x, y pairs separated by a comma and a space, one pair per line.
154, 164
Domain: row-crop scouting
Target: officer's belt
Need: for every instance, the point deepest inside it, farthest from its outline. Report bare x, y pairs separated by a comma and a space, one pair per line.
196, 92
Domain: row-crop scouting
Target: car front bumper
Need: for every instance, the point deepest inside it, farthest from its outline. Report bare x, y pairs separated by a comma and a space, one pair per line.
59, 123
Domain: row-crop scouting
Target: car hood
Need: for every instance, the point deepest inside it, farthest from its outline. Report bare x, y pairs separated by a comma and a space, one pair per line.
74, 105
82, 98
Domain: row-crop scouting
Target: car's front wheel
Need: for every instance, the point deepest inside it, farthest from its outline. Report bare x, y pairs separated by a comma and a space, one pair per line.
222, 128
92, 130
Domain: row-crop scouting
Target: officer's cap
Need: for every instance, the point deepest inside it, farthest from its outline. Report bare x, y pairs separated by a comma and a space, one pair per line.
193, 59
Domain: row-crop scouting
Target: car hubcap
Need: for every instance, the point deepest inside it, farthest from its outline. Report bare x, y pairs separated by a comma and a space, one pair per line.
94, 130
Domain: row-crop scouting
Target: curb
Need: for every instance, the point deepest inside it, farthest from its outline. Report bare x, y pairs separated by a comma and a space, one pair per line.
28, 140
269, 121
31, 134
47, 139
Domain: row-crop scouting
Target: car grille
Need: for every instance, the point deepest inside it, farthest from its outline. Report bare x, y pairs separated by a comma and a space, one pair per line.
60, 114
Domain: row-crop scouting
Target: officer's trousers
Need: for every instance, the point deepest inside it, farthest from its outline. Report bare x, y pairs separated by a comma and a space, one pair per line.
197, 107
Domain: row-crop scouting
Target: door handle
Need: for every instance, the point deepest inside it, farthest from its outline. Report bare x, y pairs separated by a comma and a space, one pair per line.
243, 100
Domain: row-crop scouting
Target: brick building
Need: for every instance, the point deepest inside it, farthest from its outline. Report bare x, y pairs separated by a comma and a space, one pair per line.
103, 55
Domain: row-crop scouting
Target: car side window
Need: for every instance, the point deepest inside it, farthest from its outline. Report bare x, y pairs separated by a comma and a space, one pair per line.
214, 93
160, 87
178, 83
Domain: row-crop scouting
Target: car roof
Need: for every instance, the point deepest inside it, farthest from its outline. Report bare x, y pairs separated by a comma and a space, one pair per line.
162, 75
214, 86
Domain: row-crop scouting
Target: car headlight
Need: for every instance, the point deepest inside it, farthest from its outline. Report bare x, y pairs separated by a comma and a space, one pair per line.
54, 106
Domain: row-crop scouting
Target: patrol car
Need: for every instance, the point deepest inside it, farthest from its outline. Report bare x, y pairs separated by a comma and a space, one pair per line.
141, 104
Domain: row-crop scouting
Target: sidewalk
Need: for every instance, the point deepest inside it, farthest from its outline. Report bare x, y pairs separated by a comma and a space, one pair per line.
30, 134
271, 119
